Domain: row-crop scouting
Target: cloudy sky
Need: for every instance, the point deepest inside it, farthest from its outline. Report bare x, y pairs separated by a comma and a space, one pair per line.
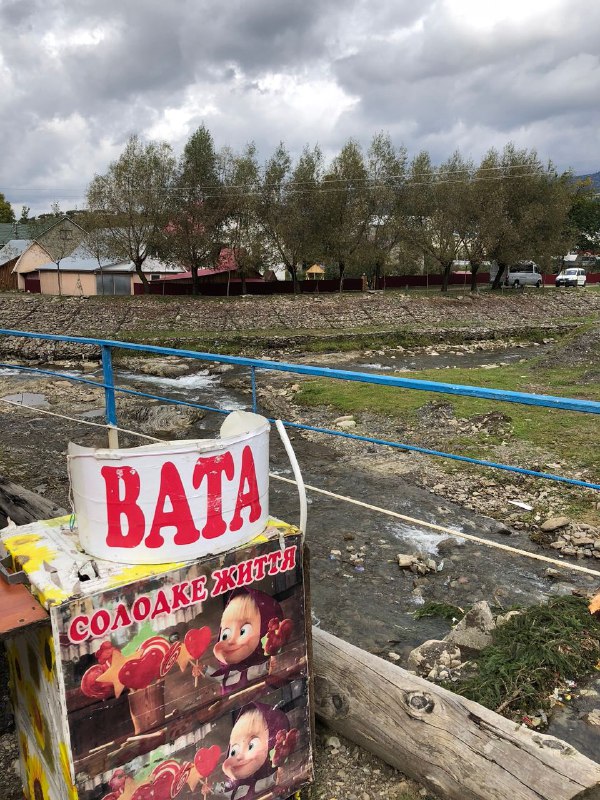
77, 77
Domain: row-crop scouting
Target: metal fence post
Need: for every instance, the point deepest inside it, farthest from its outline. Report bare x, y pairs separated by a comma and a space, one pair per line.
253, 380
109, 397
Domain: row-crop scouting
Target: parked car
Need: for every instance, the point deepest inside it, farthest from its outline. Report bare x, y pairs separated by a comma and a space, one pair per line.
525, 273
573, 276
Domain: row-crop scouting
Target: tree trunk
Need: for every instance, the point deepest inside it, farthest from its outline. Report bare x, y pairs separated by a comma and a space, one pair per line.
294, 274
243, 280
142, 276
446, 276
474, 269
499, 275
455, 747
342, 269
195, 279
376, 275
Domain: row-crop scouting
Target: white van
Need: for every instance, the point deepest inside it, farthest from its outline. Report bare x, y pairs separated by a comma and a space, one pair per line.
573, 276
525, 273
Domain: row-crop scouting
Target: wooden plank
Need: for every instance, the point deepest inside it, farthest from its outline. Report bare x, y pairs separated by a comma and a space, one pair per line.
19, 608
456, 748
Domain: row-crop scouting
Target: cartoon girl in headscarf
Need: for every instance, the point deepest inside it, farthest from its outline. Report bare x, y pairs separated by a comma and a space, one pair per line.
260, 741
252, 629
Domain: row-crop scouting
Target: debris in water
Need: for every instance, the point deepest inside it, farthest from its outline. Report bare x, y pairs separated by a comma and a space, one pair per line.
519, 504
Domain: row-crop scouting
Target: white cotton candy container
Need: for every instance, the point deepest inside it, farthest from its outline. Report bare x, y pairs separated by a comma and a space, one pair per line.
173, 501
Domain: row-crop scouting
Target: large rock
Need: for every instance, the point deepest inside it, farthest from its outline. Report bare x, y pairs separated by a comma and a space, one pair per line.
554, 524
431, 655
166, 419
474, 631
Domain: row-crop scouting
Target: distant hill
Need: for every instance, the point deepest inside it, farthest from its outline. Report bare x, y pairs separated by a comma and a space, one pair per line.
594, 177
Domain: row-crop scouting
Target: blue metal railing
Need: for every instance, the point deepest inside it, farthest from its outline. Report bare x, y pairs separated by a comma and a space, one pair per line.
110, 389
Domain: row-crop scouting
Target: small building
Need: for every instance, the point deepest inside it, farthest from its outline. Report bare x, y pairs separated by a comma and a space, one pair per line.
81, 274
55, 244
315, 273
9, 255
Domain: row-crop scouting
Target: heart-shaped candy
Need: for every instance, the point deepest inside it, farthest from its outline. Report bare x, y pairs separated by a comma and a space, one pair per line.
138, 673
206, 759
197, 640
90, 686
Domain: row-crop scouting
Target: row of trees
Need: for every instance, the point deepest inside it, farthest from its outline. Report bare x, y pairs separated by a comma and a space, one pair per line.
363, 212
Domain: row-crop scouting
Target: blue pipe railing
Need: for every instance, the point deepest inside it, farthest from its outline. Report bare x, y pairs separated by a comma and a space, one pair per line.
106, 346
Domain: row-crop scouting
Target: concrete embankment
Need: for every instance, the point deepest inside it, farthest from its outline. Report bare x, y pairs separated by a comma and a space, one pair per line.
278, 323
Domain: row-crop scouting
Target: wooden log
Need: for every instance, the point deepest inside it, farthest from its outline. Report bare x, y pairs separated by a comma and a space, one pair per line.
453, 746
23, 506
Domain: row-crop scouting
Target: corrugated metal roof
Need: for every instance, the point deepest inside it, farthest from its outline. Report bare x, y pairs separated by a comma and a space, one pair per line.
13, 248
82, 261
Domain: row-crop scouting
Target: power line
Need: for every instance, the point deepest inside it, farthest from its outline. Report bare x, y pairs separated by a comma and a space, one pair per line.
289, 187
404, 177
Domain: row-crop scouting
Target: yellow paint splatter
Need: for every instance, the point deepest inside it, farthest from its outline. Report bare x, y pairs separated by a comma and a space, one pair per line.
137, 572
50, 595
26, 549
66, 771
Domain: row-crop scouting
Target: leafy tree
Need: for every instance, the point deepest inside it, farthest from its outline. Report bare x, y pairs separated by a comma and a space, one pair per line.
193, 235
131, 202
530, 219
243, 234
385, 200
584, 216
24, 218
6, 212
479, 214
435, 200
287, 210
346, 208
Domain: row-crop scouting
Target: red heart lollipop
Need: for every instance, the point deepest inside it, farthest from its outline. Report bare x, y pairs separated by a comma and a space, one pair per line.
143, 792
162, 786
197, 640
138, 673
206, 759
170, 658
181, 779
90, 686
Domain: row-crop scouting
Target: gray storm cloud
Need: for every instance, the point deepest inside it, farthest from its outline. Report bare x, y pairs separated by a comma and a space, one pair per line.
78, 78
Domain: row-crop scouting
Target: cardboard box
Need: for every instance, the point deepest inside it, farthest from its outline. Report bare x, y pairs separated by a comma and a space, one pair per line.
155, 682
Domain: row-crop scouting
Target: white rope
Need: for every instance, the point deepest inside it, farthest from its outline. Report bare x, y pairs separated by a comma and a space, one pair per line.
442, 529
388, 512
79, 421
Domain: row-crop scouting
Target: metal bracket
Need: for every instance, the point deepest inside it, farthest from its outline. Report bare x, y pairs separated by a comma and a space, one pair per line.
11, 577
6, 564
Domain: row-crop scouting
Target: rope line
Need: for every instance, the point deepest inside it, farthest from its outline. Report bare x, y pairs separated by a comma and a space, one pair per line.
79, 421
440, 528
386, 511
329, 432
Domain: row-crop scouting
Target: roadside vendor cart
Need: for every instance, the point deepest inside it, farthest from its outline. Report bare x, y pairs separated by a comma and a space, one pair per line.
155, 681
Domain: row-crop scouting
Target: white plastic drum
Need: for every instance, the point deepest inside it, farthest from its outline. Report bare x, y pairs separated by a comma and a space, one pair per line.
173, 501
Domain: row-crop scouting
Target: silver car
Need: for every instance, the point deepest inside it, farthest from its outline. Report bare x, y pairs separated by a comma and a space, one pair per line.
525, 273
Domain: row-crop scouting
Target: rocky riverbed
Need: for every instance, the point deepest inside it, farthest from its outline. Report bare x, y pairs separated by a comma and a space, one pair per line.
287, 322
